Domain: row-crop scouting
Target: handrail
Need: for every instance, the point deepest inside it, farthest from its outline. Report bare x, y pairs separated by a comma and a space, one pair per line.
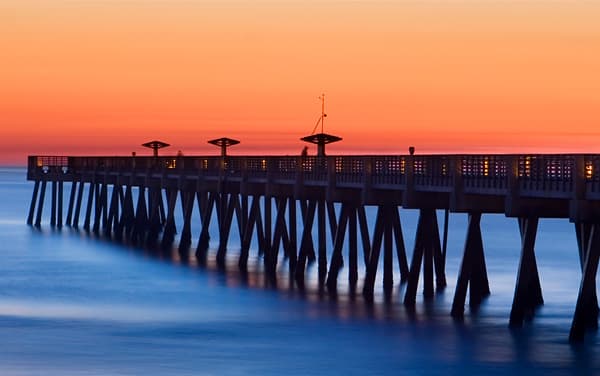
492, 172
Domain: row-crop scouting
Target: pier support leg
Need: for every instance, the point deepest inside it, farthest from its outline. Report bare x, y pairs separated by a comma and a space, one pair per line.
586, 309
364, 232
280, 235
155, 215
336, 256
36, 188
53, 205
187, 199
528, 291
400, 247
251, 223
170, 228
473, 272
141, 218
387, 230
373, 262
75, 222
117, 225
88, 210
333, 223
267, 246
72, 193
98, 207
59, 205
584, 239
427, 251
113, 211
388, 268
293, 238
322, 241
306, 241
40, 207
206, 215
127, 221
100, 218
227, 211
352, 250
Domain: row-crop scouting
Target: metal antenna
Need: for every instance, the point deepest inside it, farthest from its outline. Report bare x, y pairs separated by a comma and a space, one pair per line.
323, 115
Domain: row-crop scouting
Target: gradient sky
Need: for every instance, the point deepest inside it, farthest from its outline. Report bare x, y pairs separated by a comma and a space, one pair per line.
102, 77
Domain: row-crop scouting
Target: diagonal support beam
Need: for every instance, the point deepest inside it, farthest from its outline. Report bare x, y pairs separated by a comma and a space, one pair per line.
528, 291
586, 309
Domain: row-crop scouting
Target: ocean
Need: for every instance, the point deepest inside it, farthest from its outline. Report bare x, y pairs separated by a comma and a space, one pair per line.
72, 303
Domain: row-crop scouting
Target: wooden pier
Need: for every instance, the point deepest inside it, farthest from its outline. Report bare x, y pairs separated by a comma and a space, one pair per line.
134, 199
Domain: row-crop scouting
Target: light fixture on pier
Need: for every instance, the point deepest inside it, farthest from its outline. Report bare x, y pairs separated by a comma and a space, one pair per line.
155, 145
224, 143
321, 139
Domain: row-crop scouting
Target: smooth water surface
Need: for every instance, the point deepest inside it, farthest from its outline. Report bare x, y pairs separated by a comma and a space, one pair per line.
75, 304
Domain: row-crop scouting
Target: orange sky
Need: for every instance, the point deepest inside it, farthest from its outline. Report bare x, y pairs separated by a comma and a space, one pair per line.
102, 77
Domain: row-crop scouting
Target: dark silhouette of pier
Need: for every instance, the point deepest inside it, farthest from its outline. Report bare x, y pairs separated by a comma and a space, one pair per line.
135, 198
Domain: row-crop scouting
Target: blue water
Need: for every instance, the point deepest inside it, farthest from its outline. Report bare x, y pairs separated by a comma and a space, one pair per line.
73, 304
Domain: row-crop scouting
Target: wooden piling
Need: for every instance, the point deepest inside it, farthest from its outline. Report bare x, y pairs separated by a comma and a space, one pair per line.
33, 202
528, 291
586, 309
40, 206
71, 204
472, 272
427, 251
306, 245
53, 205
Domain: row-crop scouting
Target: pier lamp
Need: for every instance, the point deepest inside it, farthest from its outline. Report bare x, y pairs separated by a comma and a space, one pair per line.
155, 145
321, 139
224, 143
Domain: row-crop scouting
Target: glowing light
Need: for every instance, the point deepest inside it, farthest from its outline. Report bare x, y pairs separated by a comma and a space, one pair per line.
171, 163
486, 167
589, 170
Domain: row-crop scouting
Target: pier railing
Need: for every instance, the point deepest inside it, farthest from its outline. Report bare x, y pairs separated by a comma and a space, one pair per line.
546, 175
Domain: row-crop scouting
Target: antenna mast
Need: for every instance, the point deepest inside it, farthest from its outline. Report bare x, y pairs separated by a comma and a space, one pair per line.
323, 114
321, 139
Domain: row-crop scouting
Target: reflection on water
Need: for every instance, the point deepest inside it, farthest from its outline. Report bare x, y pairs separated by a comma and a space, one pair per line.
75, 304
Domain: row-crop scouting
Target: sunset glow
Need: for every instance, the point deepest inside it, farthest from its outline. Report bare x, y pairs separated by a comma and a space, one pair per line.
102, 77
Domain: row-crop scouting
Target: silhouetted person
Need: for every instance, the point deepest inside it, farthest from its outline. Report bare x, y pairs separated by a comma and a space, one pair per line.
304, 153
411, 150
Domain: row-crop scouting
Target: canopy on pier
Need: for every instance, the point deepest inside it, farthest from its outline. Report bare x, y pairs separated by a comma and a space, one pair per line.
224, 143
155, 145
321, 139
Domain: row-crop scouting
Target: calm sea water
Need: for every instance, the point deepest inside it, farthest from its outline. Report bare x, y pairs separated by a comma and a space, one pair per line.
72, 304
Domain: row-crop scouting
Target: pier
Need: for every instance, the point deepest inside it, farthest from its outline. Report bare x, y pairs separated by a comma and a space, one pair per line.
134, 199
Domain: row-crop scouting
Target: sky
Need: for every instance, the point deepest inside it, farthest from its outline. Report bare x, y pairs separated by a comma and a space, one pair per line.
101, 77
